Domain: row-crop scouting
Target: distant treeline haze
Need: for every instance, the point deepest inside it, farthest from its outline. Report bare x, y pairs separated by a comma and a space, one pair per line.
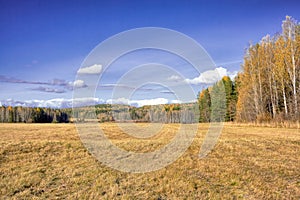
266, 90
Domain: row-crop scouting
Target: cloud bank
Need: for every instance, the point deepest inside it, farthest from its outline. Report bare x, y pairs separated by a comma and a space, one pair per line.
207, 77
54, 103
78, 102
138, 103
53, 86
50, 90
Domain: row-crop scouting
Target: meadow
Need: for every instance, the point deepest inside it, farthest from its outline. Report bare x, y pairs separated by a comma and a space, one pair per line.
40, 161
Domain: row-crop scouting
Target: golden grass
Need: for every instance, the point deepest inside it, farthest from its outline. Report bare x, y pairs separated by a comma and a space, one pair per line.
49, 161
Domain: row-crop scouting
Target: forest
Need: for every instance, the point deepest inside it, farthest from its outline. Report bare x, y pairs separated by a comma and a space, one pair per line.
9, 114
268, 86
266, 89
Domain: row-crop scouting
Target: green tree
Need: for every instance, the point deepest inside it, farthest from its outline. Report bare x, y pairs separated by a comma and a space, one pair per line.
204, 102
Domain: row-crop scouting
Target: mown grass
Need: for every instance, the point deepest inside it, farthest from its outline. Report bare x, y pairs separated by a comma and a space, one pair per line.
49, 161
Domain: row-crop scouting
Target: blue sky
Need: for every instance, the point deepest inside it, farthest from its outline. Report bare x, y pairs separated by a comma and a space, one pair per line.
44, 43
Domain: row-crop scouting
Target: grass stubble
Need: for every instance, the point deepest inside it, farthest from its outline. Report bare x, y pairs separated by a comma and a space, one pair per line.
40, 161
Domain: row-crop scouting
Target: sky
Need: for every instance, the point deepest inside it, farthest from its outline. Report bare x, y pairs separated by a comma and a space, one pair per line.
44, 43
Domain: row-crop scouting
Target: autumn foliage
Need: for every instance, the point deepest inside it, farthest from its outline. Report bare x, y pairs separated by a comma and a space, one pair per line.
269, 87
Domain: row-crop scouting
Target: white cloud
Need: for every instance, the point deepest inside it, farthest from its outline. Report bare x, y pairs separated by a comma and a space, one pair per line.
118, 101
78, 84
211, 76
54, 103
222, 71
139, 103
174, 78
232, 75
77, 102
176, 101
49, 89
87, 101
144, 102
94, 69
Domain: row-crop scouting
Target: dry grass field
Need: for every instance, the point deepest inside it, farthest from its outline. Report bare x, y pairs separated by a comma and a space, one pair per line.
40, 161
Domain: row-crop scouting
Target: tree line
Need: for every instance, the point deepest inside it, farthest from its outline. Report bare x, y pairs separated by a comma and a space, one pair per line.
173, 113
267, 89
218, 102
268, 86
167, 113
9, 114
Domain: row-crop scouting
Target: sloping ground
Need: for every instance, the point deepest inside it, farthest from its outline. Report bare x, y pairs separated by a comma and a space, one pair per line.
49, 161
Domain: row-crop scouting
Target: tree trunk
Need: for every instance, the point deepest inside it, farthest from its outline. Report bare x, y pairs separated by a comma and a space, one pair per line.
284, 99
